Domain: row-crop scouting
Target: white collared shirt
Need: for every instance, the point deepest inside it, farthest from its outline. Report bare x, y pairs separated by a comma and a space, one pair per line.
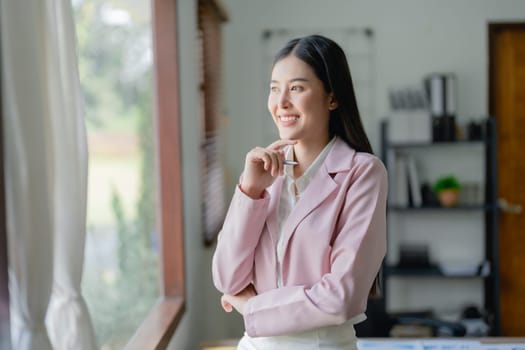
290, 194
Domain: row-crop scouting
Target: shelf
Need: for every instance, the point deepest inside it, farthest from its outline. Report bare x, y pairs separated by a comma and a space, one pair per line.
463, 207
462, 157
431, 271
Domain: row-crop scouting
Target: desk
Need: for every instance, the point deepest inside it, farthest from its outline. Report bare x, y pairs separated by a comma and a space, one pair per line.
457, 343
230, 344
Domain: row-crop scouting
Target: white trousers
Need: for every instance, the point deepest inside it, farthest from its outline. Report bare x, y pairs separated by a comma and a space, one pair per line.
327, 338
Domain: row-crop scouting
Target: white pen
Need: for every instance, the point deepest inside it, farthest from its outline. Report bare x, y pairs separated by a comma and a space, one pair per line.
289, 162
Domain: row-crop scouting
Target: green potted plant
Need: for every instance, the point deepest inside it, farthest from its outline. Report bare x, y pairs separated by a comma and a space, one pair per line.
447, 189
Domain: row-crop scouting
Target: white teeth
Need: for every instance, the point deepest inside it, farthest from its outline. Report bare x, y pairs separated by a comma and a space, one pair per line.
289, 118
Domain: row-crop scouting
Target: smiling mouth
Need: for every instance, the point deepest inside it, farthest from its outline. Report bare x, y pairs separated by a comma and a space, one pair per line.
288, 118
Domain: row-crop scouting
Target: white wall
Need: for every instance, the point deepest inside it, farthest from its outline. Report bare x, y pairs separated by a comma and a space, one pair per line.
412, 38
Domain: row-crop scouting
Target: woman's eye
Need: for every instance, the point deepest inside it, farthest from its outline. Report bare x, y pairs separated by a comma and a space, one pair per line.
296, 88
274, 89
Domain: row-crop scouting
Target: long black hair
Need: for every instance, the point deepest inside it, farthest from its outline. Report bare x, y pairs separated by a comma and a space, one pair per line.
329, 63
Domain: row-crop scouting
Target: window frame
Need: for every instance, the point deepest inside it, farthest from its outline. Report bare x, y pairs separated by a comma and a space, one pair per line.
157, 329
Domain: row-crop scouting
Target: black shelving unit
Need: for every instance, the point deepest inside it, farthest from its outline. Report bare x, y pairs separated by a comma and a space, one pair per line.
431, 271
489, 207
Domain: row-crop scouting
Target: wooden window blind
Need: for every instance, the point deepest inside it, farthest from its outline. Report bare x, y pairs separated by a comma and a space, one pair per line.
211, 16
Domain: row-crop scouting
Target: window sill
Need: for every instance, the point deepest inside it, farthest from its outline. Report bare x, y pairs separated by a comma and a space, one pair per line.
222, 344
158, 327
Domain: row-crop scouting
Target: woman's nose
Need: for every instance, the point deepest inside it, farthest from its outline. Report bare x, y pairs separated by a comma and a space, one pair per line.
283, 101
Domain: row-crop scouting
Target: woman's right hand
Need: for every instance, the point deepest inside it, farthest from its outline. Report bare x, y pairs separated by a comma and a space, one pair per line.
237, 302
262, 166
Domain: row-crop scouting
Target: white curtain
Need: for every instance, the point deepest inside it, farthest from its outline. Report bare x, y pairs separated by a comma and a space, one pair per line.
46, 175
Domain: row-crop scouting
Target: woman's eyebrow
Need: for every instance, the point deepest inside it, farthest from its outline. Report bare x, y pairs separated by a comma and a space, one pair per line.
291, 80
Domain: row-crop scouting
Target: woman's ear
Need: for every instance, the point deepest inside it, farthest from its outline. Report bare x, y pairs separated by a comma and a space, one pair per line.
333, 103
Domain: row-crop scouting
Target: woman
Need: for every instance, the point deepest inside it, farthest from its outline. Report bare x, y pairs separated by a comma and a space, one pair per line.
305, 233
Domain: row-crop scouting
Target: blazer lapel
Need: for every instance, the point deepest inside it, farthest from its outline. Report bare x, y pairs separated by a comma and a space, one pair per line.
320, 187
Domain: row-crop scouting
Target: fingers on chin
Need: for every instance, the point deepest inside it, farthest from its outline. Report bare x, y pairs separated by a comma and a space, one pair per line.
281, 143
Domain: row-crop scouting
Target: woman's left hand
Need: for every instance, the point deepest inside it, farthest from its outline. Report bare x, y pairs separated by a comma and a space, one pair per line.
237, 301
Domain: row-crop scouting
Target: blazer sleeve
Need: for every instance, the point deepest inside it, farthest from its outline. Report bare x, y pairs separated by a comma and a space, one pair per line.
357, 253
232, 263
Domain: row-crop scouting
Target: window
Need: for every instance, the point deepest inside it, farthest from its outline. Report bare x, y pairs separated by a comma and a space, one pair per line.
146, 178
121, 274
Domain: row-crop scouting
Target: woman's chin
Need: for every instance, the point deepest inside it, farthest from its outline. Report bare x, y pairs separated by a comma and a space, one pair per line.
287, 136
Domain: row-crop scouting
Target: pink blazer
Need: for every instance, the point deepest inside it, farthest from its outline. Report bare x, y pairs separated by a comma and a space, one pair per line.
335, 241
